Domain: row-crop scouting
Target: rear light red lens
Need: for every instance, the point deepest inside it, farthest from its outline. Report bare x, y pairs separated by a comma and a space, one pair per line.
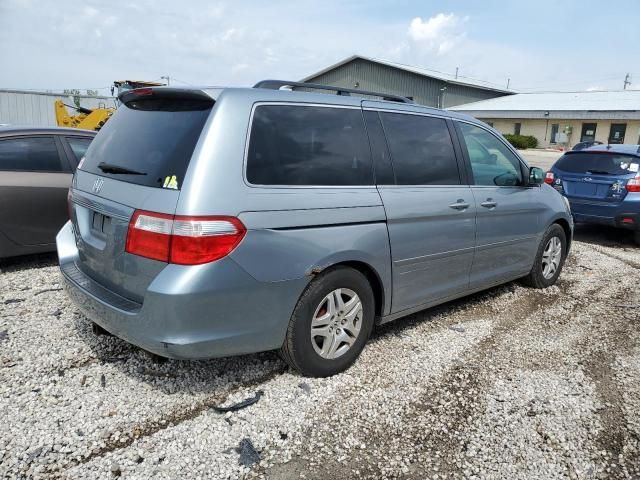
548, 178
181, 239
628, 220
142, 91
633, 185
149, 235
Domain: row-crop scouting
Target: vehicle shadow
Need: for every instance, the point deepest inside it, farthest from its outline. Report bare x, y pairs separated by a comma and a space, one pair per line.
26, 262
604, 235
214, 375
176, 376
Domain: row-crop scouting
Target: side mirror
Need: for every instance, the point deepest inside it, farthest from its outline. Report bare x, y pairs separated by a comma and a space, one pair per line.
536, 176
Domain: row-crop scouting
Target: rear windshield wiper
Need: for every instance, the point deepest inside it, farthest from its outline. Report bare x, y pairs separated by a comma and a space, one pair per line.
599, 172
111, 168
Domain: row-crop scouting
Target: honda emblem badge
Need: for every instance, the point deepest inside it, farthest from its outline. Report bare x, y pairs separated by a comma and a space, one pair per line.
97, 185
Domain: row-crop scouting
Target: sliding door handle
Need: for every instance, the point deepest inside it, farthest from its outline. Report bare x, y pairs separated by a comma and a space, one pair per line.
459, 205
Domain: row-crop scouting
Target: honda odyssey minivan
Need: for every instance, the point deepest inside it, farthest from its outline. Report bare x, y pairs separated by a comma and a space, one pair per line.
215, 222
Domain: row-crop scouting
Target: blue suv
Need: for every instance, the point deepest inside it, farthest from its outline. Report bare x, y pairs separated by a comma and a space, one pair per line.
602, 184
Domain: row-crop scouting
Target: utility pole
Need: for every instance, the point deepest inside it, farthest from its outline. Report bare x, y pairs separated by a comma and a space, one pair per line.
508, 81
456, 73
166, 77
627, 80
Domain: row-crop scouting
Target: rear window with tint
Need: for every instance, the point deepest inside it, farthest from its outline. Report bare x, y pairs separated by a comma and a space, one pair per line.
300, 145
155, 137
598, 163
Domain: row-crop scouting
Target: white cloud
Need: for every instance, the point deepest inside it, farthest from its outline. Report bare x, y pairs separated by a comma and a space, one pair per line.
238, 43
440, 33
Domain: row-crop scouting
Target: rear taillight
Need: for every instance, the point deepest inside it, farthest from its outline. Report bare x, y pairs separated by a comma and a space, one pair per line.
142, 91
633, 185
182, 239
548, 178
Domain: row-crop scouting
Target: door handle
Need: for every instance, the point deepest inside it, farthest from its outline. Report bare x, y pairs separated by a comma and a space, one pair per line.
489, 203
459, 205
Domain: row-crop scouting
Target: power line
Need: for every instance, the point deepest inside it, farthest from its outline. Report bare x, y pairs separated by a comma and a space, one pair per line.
573, 82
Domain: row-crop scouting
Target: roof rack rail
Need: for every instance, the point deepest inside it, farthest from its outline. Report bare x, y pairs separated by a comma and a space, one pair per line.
278, 84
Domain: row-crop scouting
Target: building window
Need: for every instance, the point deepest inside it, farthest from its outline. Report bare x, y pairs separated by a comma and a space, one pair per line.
588, 132
554, 132
617, 132
516, 128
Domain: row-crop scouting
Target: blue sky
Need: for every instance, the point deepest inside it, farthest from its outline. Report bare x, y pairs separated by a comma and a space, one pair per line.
541, 45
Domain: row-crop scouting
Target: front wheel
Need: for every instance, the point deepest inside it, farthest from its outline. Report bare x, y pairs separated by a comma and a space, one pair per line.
549, 258
330, 324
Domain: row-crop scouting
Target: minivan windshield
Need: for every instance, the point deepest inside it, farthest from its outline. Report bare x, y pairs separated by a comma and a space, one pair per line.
598, 163
149, 141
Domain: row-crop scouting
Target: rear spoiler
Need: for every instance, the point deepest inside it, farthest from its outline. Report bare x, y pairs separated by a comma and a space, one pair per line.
165, 93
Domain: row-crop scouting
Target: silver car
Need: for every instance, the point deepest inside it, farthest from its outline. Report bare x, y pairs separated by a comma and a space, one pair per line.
215, 222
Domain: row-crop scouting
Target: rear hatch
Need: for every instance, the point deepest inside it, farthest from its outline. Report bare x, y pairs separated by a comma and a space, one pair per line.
137, 162
597, 176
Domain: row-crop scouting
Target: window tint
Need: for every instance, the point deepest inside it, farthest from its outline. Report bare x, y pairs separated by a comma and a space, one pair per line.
298, 145
79, 146
154, 136
598, 163
491, 160
421, 150
379, 150
30, 154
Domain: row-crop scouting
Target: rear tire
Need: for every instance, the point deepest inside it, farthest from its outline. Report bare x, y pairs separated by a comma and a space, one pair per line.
330, 324
636, 237
549, 260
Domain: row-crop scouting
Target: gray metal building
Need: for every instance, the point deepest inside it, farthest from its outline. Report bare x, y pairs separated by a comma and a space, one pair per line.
426, 87
23, 107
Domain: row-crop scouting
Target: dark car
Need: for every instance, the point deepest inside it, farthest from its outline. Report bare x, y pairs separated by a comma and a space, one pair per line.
583, 145
36, 167
602, 184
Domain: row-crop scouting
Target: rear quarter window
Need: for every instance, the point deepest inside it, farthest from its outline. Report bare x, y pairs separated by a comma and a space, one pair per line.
296, 145
79, 146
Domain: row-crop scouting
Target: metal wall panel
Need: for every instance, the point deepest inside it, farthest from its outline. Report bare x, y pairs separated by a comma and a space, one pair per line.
36, 108
385, 79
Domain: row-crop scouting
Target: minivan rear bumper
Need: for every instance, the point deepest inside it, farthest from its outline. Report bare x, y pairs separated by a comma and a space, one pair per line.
188, 312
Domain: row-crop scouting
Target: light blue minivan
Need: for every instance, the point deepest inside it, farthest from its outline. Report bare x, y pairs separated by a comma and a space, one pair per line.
215, 222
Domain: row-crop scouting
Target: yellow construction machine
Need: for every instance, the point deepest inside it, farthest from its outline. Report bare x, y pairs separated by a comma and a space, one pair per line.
95, 118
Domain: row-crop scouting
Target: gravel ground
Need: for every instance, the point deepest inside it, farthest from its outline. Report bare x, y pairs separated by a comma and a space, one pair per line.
510, 383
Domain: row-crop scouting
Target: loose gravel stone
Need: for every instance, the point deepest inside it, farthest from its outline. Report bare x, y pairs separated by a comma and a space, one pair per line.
510, 383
